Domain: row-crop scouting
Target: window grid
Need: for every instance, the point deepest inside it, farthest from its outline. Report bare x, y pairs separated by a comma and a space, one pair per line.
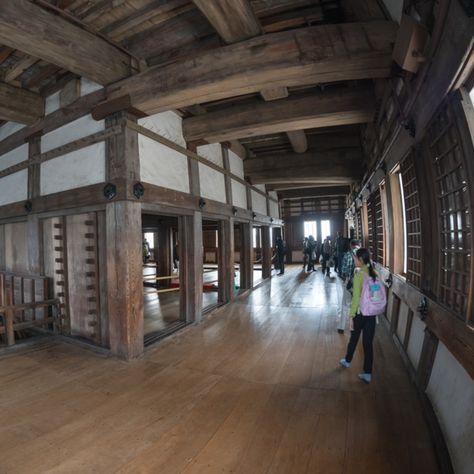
413, 220
359, 225
446, 156
379, 234
372, 239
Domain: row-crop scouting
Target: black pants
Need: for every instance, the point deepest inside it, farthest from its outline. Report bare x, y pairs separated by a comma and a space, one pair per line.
325, 266
366, 325
281, 262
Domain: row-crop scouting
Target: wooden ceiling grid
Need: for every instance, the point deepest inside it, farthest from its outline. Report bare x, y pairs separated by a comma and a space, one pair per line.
164, 35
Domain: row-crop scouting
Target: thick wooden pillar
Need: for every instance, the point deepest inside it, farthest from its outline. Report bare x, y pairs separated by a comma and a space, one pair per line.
226, 261
163, 255
246, 257
266, 252
124, 278
190, 259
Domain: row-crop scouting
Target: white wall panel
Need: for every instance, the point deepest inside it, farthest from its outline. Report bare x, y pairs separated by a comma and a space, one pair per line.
162, 166
415, 342
259, 203
10, 128
402, 321
274, 210
87, 86
14, 157
74, 170
79, 128
261, 187
451, 391
212, 153
239, 194
236, 164
212, 183
14, 187
166, 124
52, 103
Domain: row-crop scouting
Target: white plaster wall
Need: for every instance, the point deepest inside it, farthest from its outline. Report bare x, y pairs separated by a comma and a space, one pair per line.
72, 131
261, 187
212, 183
14, 157
389, 306
236, 164
52, 103
166, 124
10, 128
74, 170
402, 321
259, 203
451, 391
212, 153
239, 194
274, 210
14, 187
87, 86
415, 342
162, 166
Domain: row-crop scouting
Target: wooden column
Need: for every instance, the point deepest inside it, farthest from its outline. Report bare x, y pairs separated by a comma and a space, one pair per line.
246, 257
193, 170
124, 278
124, 252
228, 179
226, 261
266, 252
164, 254
190, 259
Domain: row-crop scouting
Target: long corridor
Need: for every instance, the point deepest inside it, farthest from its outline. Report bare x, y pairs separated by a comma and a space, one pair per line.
255, 388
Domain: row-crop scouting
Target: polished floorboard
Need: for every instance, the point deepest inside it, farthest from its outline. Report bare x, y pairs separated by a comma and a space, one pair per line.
255, 388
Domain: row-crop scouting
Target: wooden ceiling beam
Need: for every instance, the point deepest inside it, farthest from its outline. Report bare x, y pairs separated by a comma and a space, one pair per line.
314, 192
298, 141
42, 34
331, 108
19, 105
318, 54
234, 20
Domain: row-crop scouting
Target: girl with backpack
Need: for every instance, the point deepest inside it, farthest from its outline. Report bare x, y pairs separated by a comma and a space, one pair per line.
368, 301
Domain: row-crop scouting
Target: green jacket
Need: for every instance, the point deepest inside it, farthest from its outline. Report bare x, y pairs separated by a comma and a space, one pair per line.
358, 282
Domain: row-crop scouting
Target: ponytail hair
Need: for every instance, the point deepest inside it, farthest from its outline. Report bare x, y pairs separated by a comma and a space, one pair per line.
364, 255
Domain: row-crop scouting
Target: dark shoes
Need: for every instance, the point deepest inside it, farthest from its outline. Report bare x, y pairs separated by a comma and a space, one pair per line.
340, 331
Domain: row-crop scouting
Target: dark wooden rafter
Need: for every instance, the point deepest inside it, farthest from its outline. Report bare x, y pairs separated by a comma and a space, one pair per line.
234, 20
281, 59
19, 105
321, 191
42, 34
331, 108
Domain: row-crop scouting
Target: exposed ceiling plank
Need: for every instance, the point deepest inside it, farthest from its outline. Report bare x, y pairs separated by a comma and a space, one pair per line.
331, 108
33, 30
289, 58
17, 68
314, 192
298, 141
234, 20
19, 105
274, 93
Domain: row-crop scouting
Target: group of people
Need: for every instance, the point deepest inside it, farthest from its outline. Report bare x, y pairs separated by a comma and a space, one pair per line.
363, 298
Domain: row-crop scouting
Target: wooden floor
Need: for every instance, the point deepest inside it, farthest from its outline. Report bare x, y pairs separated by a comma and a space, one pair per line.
256, 388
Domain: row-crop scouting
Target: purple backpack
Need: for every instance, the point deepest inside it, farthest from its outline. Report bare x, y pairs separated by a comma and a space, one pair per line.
373, 298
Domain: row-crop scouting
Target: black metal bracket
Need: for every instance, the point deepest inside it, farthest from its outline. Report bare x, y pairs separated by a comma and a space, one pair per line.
423, 308
138, 190
110, 191
201, 203
389, 281
28, 206
234, 210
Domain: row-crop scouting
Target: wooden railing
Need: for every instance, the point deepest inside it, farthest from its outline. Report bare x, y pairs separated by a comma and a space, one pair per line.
24, 304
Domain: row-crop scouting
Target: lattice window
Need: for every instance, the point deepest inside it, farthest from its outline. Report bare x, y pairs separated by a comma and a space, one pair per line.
359, 225
372, 225
454, 213
379, 233
412, 219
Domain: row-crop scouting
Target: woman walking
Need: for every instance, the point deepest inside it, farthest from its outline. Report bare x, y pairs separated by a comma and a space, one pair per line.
368, 301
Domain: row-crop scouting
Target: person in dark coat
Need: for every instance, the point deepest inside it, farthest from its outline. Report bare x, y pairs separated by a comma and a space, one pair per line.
281, 252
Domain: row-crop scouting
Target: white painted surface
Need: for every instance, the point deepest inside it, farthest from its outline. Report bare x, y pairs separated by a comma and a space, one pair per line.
236, 164
212, 183
239, 194
415, 342
402, 321
10, 128
395, 8
14, 157
451, 391
162, 166
14, 187
390, 302
87, 86
212, 153
259, 203
74, 170
273, 194
52, 103
274, 210
166, 124
79, 128
261, 187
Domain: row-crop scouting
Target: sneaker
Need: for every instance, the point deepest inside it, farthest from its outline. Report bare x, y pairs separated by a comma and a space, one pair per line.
340, 331
344, 363
367, 378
